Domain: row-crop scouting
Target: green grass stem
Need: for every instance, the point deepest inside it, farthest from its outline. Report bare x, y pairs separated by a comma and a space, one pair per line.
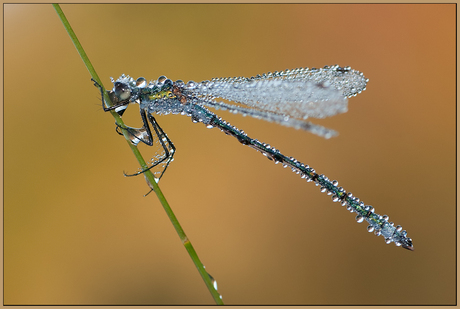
148, 174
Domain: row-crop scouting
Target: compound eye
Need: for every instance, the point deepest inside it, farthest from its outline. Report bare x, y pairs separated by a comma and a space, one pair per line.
122, 91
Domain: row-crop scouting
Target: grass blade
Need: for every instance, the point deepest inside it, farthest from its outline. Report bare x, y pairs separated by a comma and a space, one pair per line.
209, 281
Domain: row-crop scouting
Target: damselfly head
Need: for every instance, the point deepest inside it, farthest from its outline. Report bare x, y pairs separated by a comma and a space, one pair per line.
123, 87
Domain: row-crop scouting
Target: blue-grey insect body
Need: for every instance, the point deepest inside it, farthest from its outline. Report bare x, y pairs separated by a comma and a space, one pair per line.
287, 97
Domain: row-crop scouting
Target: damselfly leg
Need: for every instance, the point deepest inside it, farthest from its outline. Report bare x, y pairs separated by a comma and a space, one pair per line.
165, 147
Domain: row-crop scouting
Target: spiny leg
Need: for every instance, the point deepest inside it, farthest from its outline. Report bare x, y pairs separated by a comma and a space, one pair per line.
166, 143
168, 148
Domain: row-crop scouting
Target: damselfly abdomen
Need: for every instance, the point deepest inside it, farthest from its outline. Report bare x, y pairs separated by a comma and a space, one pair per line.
288, 97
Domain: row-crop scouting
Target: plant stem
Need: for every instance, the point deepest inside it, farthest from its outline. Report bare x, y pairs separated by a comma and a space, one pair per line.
148, 174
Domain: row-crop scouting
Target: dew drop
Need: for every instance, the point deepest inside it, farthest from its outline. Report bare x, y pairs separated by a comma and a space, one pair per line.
141, 82
214, 282
190, 84
161, 79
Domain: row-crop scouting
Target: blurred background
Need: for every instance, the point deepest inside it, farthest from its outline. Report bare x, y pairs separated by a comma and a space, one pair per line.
78, 232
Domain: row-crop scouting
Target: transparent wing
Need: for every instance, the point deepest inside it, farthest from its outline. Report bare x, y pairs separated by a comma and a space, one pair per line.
299, 93
298, 99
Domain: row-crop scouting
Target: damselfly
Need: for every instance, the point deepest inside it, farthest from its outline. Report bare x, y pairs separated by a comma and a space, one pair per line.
287, 97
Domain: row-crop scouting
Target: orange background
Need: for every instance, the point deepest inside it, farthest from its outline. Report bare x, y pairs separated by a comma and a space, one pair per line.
78, 232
